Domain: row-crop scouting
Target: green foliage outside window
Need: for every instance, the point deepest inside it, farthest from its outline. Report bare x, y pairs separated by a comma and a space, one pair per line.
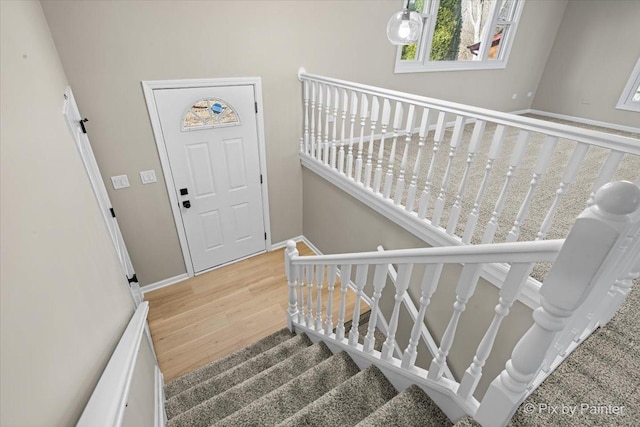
409, 51
446, 37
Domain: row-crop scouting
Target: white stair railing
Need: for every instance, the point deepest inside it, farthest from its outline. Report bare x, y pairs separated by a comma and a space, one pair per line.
409, 147
603, 242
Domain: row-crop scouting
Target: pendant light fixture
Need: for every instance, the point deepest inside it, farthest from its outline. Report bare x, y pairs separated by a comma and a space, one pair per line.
404, 27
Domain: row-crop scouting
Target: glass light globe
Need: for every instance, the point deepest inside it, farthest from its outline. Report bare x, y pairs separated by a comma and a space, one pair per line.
404, 27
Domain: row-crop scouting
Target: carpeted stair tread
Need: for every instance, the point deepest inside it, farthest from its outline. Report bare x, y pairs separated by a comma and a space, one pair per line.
348, 403
241, 395
236, 375
411, 408
286, 400
214, 368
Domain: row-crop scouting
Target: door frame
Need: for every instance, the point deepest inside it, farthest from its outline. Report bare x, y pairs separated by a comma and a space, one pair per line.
148, 86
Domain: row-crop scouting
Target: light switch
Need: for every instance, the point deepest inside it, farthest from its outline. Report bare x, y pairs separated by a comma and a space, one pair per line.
120, 181
147, 177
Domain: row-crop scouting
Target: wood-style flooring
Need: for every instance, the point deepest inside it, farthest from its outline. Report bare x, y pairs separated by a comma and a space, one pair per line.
206, 317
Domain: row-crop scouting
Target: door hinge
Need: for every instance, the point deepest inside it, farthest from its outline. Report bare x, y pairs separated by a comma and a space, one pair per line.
265, 236
82, 122
113, 213
260, 178
133, 279
256, 104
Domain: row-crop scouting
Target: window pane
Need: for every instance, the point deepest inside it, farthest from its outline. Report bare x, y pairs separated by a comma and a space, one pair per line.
636, 96
209, 113
409, 52
506, 10
458, 29
498, 41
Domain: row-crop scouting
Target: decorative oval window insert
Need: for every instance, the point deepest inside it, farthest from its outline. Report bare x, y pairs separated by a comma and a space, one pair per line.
210, 112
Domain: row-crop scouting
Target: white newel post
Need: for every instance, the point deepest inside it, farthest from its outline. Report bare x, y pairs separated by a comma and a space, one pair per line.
290, 253
566, 286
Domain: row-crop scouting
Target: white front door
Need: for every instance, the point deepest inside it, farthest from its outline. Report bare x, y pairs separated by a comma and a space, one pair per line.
211, 140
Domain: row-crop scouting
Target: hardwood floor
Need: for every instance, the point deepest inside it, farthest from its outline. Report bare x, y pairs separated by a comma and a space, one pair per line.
211, 315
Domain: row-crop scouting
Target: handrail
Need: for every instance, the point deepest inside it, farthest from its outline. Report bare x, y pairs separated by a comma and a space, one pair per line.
535, 251
108, 401
600, 139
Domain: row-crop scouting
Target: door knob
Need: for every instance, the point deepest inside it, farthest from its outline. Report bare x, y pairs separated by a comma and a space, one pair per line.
186, 204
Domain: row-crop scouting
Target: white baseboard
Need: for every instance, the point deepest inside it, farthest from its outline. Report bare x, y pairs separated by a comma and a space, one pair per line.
607, 125
163, 283
297, 239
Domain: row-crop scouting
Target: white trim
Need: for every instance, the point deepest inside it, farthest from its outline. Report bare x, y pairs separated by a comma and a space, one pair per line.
493, 273
159, 414
148, 87
591, 122
164, 283
626, 99
283, 244
108, 401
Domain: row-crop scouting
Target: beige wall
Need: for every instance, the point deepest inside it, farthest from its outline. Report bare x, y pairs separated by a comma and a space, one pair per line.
108, 47
360, 228
591, 60
64, 301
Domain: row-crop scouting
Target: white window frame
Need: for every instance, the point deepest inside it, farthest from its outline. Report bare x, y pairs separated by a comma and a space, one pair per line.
626, 101
422, 63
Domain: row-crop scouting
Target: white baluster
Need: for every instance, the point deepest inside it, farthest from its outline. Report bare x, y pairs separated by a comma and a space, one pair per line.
413, 185
379, 280
566, 286
334, 140
466, 286
568, 178
368, 169
405, 155
319, 129
345, 277
332, 272
353, 112
312, 133
494, 150
402, 283
515, 280
426, 192
364, 113
541, 165
309, 313
301, 285
292, 273
327, 114
397, 122
384, 122
361, 281
306, 117
319, 282
476, 138
606, 172
453, 145
429, 285
343, 119
514, 162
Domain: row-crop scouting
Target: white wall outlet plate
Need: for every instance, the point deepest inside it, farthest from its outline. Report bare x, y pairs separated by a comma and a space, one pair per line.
514, 96
120, 181
147, 177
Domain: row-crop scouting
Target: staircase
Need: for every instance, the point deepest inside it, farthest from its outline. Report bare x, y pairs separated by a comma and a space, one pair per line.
287, 380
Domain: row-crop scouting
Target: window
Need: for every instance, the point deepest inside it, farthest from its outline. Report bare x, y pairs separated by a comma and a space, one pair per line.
630, 99
208, 113
461, 35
